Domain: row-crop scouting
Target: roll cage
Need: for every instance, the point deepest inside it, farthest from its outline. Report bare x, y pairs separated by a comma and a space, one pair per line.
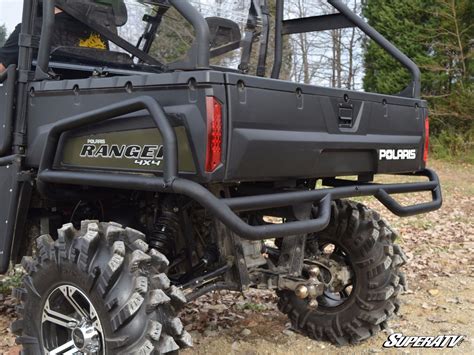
200, 54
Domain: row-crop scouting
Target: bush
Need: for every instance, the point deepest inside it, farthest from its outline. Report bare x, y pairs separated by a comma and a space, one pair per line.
11, 280
449, 144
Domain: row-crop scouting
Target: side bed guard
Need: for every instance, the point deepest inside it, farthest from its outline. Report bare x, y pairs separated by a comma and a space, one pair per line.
7, 92
223, 208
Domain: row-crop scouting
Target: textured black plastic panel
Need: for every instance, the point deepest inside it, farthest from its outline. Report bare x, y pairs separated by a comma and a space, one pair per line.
272, 129
285, 130
8, 196
6, 110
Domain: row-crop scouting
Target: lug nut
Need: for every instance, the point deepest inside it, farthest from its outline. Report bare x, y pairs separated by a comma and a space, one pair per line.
312, 291
314, 271
301, 291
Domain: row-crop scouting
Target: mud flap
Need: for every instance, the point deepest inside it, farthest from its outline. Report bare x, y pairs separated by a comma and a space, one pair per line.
8, 211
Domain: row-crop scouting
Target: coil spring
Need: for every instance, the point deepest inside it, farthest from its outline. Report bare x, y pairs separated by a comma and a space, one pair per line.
165, 233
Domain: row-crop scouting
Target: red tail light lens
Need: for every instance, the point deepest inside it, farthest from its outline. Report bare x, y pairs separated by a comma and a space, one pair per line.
427, 140
214, 134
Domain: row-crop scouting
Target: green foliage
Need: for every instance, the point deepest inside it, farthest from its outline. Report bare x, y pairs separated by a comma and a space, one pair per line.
254, 307
451, 145
402, 23
3, 35
10, 281
437, 35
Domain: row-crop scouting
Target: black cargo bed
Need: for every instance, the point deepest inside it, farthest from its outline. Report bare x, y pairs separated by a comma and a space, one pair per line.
280, 129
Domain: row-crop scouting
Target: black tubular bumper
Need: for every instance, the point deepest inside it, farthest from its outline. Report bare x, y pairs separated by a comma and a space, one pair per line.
224, 209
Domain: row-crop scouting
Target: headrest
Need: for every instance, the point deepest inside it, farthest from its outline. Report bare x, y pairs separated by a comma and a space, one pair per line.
119, 10
100, 11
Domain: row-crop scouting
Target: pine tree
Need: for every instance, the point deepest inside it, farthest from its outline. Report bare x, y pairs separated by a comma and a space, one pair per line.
437, 35
452, 96
407, 24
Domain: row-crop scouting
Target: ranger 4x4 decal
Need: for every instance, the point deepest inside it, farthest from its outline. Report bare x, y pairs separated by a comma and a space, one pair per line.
137, 152
138, 149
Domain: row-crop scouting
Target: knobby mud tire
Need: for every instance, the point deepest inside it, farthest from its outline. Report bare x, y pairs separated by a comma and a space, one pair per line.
376, 262
123, 278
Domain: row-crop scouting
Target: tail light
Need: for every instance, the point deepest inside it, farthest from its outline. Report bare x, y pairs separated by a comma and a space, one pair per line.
427, 140
214, 134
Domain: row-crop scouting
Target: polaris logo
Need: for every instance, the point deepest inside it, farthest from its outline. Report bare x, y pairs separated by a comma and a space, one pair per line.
146, 152
398, 340
397, 154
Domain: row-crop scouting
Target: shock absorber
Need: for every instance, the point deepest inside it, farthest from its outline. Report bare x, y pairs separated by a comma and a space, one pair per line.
165, 232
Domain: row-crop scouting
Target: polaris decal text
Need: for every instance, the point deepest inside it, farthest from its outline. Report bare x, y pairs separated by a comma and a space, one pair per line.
146, 155
397, 154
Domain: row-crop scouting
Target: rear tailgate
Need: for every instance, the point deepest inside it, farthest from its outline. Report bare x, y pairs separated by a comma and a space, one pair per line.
280, 129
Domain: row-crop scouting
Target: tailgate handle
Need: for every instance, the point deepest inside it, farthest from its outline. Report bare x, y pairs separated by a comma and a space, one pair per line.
346, 112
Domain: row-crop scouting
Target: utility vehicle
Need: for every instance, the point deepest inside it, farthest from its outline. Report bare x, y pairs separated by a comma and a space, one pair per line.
146, 184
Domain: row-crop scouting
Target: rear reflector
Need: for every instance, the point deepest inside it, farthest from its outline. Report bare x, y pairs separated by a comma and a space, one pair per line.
427, 140
214, 134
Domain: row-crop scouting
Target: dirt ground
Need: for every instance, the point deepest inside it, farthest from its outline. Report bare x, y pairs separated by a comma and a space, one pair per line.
439, 300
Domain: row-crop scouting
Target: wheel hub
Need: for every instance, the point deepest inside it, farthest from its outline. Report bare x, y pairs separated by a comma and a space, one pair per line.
339, 274
335, 272
86, 338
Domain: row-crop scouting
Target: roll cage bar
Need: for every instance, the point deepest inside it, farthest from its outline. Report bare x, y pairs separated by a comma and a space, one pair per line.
344, 19
200, 54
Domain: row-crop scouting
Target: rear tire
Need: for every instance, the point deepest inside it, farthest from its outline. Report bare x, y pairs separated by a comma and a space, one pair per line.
375, 261
112, 269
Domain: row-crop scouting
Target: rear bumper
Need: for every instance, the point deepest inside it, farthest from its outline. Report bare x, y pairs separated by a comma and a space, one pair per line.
224, 209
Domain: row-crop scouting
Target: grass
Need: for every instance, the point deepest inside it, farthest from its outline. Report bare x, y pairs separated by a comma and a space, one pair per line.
254, 307
423, 224
453, 147
10, 281
441, 153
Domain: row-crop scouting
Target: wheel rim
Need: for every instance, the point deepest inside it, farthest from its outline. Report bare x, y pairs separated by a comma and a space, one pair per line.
70, 324
330, 300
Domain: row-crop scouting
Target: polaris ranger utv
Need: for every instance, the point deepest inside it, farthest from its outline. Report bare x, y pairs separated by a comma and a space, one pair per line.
146, 184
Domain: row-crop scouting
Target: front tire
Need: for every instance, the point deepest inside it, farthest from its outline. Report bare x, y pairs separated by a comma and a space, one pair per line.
98, 290
365, 241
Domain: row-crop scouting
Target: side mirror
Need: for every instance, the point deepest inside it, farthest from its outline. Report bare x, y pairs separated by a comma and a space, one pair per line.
223, 31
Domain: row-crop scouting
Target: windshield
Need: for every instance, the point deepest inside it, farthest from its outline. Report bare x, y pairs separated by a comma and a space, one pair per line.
175, 36
135, 26
159, 35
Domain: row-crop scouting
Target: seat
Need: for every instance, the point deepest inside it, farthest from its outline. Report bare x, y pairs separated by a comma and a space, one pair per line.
91, 56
